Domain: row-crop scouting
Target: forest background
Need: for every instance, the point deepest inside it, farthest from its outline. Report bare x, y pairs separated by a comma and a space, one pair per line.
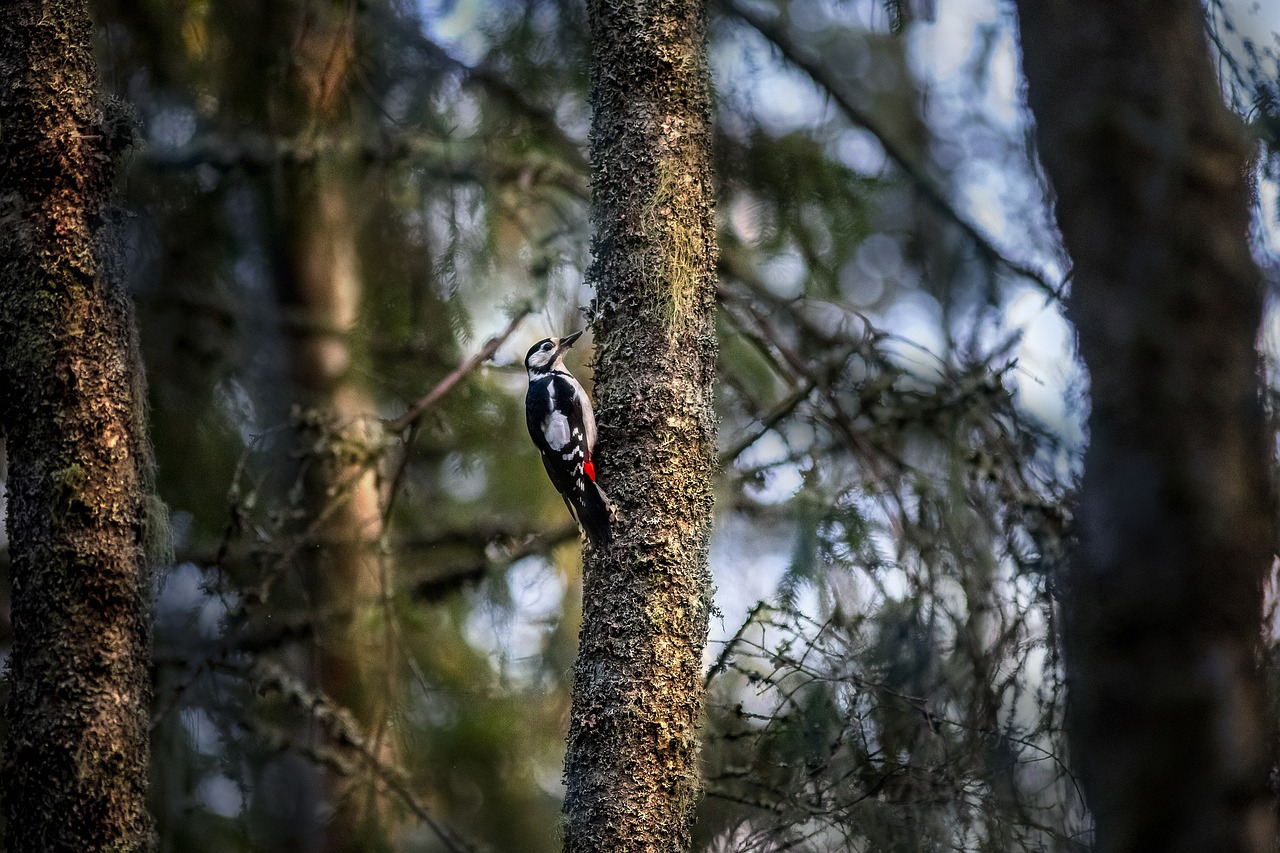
365, 633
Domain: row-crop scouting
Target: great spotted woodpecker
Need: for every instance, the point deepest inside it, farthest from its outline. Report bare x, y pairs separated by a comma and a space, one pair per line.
558, 412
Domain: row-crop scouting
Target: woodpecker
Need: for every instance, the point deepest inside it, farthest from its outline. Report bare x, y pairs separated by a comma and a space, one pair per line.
558, 413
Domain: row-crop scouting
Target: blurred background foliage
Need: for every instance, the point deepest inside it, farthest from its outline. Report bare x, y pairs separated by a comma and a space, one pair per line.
364, 641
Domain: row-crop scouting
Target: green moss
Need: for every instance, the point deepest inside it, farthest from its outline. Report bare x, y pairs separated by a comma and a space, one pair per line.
682, 244
157, 537
67, 484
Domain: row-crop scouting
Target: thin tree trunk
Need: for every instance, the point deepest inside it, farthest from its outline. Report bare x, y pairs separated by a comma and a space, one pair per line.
632, 762
74, 767
1162, 603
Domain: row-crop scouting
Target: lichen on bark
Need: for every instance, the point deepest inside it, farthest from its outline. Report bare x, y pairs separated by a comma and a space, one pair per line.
74, 768
632, 763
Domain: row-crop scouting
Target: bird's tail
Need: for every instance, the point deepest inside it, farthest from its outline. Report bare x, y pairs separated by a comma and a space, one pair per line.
596, 516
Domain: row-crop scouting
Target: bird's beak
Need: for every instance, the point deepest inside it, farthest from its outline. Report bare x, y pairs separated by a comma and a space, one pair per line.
568, 340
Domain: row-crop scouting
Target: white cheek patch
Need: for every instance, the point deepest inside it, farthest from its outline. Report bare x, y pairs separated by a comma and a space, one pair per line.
556, 430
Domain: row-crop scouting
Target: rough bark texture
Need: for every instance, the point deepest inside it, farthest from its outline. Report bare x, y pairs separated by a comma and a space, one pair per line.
74, 767
632, 762
1162, 602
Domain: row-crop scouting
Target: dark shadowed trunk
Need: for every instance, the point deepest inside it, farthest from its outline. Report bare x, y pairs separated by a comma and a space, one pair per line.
632, 763
1162, 602
74, 767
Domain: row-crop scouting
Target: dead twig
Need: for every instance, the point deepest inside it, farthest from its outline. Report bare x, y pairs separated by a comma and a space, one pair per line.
415, 412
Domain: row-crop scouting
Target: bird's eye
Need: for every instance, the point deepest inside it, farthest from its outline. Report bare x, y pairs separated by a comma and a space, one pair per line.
547, 345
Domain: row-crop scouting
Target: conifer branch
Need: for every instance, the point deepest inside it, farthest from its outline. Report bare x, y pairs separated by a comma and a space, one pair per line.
775, 32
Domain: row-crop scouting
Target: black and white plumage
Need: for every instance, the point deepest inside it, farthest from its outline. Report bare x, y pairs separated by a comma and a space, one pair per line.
563, 426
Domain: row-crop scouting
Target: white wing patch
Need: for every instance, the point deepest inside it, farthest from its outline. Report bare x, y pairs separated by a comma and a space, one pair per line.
556, 430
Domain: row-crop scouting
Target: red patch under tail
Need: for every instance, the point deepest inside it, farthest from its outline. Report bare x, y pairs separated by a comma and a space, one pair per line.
590, 468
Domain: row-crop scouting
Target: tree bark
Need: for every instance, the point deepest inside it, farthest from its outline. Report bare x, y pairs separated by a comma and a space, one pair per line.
319, 286
633, 743
1162, 602
74, 766
320, 289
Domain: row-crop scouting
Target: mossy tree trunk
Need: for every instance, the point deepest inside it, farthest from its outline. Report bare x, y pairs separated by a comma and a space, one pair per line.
632, 762
1162, 604
74, 769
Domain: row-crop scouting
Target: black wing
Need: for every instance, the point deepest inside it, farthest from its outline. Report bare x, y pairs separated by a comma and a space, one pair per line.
550, 398
554, 415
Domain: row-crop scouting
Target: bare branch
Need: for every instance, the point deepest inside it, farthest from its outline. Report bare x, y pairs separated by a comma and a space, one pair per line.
445, 385
408, 422
483, 76
437, 586
776, 33
769, 421
468, 160
343, 731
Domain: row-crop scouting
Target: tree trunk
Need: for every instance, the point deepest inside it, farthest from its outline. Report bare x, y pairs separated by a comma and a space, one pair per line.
631, 767
319, 286
1162, 603
321, 289
74, 767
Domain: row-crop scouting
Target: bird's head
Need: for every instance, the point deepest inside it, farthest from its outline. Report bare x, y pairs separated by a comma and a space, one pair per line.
548, 354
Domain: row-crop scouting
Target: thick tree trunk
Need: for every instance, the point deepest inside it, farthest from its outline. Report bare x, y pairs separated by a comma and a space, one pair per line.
1162, 603
632, 762
74, 768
